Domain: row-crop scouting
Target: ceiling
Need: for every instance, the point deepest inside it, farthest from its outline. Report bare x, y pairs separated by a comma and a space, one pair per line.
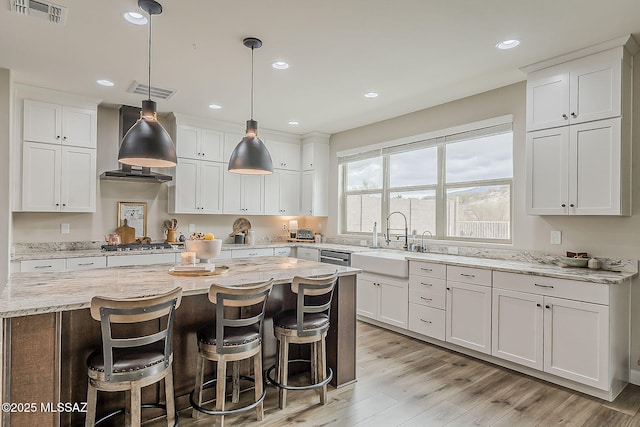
414, 53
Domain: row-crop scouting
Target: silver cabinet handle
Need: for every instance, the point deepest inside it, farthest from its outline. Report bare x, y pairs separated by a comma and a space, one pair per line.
86, 263
467, 275
43, 266
564, 116
574, 115
426, 284
426, 321
426, 299
426, 269
543, 286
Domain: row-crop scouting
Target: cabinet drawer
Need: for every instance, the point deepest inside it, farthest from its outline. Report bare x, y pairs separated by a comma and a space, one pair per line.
250, 253
86, 263
308, 254
562, 288
282, 251
426, 321
43, 265
475, 276
431, 299
428, 269
424, 284
142, 259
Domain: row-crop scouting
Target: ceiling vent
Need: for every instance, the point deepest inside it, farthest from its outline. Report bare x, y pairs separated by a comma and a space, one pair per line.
41, 9
156, 92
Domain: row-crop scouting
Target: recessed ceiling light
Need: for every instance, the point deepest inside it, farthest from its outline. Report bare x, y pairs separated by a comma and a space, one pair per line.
107, 83
215, 106
135, 18
280, 65
371, 95
508, 44
294, 123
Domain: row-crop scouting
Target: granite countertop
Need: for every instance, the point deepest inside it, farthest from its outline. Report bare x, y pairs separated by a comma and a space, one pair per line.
536, 269
32, 293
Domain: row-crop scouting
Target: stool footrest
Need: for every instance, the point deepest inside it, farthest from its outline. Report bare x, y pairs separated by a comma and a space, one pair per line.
207, 411
144, 405
322, 383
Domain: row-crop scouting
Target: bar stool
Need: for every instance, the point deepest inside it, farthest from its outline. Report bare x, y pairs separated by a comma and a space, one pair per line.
307, 324
129, 359
233, 337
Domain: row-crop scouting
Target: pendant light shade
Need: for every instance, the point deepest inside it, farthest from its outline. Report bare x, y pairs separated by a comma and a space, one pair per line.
251, 156
147, 143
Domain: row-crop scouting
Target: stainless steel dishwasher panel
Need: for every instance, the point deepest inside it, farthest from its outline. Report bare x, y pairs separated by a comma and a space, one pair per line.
335, 257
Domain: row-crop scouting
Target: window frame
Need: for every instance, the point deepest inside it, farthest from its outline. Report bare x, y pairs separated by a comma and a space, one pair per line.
439, 140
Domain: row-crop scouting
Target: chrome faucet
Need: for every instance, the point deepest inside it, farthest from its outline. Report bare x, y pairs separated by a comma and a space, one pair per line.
406, 231
422, 241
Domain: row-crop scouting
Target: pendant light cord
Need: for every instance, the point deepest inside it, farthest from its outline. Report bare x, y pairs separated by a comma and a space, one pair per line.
251, 83
149, 88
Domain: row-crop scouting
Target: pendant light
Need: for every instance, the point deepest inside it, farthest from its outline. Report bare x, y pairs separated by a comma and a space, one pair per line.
251, 156
147, 143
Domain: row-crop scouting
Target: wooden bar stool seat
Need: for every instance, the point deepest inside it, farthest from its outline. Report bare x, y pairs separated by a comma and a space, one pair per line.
307, 324
236, 335
133, 358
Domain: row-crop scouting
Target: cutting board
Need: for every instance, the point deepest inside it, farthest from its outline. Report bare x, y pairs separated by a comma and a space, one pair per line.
127, 234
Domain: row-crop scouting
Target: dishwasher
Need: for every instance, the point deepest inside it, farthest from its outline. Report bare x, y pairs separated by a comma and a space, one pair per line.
335, 257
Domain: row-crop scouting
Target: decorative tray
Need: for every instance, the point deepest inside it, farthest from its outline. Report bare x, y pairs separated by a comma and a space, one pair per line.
220, 269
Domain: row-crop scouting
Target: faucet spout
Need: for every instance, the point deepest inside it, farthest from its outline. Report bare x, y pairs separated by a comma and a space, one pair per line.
406, 230
422, 241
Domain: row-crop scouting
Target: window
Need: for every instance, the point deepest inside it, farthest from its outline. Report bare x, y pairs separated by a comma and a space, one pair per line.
455, 186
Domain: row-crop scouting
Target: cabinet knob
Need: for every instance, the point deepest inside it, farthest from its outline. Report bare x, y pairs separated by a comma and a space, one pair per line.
547, 306
572, 205
58, 137
564, 205
564, 116
64, 138
202, 154
574, 115
64, 204
448, 289
539, 305
57, 204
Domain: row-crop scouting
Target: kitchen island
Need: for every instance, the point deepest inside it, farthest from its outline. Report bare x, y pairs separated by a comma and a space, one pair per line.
48, 331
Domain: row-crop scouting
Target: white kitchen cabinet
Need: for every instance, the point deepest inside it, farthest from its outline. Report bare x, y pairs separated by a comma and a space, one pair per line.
578, 170
577, 91
43, 265
197, 187
427, 298
563, 327
58, 178
242, 193
140, 259
59, 124
251, 253
468, 322
285, 155
282, 193
310, 254
284, 251
383, 299
518, 327
199, 143
315, 178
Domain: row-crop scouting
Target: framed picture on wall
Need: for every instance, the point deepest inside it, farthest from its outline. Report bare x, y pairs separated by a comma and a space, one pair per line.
136, 215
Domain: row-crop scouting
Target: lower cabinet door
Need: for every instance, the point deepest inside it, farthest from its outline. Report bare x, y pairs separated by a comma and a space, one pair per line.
427, 321
367, 298
469, 316
394, 303
576, 343
518, 327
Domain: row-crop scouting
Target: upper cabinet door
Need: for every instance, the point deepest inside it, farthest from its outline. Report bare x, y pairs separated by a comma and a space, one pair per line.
307, 157
41, 179
78, 192
79, 127
289, 193
231, 141
285, 155
547, 101
232, 192
596, 92
211, 187
594, 168
211, 145
42, 122
187, 142
187, 186
252, 191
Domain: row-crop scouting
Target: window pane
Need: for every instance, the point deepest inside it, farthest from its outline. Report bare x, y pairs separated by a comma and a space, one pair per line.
482, 212
418, 206
489, 157
362, 211
364, 174
418, 167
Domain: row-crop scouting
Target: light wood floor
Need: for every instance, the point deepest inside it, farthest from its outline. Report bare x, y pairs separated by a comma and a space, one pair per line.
406, 382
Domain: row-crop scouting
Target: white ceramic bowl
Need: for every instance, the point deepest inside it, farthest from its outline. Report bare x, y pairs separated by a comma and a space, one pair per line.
575, 262
205, 249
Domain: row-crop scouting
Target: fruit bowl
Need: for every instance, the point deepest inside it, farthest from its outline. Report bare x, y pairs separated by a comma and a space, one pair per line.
574, 262
205, 250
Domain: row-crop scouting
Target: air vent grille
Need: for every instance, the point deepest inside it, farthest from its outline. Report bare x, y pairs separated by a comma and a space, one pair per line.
41, 9
156, 92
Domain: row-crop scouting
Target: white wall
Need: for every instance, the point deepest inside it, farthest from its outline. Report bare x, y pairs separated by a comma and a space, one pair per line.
6, 100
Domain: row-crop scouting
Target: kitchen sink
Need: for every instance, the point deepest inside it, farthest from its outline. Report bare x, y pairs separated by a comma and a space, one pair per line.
389, 263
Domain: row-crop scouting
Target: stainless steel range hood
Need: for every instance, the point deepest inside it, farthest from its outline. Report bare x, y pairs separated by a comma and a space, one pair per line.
128, 116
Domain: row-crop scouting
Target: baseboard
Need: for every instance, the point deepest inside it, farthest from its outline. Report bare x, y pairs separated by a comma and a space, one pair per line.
634, 377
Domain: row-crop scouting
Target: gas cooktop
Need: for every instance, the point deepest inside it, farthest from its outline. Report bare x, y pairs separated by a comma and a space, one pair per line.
135, 247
